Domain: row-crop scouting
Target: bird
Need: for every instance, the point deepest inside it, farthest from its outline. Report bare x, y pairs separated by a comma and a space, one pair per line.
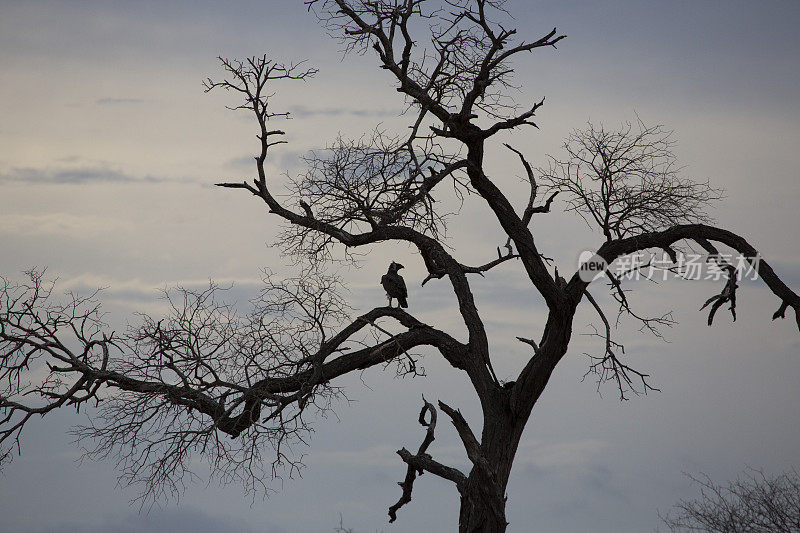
394, 285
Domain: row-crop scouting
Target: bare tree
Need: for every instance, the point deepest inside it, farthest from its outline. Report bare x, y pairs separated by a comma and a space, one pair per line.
752, 503
626, 182
240, 389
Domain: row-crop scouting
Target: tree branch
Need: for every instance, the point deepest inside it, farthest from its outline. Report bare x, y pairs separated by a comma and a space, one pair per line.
530, 210
421, 462
608, 366
695, 232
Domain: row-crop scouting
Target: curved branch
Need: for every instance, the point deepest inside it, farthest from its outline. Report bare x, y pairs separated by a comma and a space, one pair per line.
294, 388
613, 249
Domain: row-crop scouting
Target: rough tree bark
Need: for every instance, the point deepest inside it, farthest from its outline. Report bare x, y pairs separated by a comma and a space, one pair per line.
171, 387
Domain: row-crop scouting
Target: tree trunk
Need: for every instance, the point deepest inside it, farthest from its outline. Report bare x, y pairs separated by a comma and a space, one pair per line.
483, 507
483, 496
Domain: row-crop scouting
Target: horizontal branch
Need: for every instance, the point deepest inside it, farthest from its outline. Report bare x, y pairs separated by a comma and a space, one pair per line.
425, 462
613, 249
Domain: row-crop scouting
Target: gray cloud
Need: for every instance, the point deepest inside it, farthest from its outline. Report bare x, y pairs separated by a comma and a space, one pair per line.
74, 176
241, 162
788, 271
117, 101
284, 159
180, 520
302, 111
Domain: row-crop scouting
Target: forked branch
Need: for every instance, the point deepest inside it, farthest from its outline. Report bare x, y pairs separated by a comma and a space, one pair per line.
530, 209
609, 366
422, 462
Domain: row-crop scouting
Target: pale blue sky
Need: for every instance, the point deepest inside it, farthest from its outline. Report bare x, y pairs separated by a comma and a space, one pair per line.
108, 147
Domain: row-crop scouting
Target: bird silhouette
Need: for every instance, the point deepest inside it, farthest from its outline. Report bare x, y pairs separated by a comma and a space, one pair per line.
394, 285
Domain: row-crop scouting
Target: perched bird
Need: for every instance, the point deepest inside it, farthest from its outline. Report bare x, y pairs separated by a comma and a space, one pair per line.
394, 285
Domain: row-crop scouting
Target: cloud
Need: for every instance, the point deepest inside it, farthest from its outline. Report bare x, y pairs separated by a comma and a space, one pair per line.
245, 161
74, 176
58, 224
302, 111
118, 101
374, 456
147, 296
180, 520
285, 160
558, 456
789, 271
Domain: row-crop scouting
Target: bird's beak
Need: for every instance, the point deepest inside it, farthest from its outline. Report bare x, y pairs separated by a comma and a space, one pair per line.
399, 266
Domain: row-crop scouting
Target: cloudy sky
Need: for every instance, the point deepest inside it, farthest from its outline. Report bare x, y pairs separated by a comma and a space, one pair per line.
108, 152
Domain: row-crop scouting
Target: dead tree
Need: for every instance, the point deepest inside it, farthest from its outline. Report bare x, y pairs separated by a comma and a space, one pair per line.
240, 389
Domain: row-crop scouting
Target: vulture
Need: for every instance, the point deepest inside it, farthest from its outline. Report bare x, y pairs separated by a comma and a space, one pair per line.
394, 285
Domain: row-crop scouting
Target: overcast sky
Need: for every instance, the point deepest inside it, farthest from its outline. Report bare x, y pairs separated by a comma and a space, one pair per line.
108, 152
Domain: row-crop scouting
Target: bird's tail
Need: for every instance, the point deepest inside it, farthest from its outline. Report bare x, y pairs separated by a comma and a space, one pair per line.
403, 302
